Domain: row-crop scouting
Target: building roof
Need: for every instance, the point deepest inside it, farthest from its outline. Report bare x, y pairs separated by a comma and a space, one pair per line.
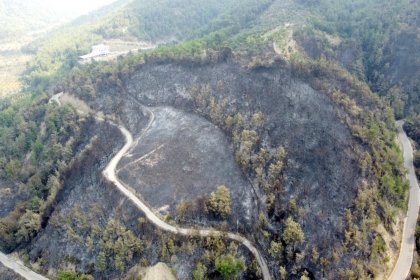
97, 50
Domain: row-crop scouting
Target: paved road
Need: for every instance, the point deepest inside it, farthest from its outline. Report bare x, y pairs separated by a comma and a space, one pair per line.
405, 259
110, 174
18, 267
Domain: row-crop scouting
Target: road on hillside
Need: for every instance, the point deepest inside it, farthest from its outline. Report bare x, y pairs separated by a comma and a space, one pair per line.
405, 258
18, 267
110, 174
400, 271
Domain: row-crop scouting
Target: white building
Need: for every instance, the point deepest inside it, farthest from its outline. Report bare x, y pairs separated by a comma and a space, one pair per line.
97, 50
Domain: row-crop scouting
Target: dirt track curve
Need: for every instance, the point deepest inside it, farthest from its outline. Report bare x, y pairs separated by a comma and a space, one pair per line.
110, 174
401, 269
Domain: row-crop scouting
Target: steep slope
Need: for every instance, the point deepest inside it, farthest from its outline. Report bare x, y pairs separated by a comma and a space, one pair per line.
382, 50
322, 130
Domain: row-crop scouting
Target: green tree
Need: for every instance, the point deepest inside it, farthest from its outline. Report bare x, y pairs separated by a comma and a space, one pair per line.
119, 263
29, 224
275, 250
69, 275
12, 169
199, 273
219, 202
229, 266
417, 159
282, 273
293, 233
53, 185
101, 262
305, 276
257, 119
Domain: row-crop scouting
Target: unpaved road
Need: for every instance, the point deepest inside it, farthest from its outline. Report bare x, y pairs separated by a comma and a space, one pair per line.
405, 259
18, 267
401, 269
110, 174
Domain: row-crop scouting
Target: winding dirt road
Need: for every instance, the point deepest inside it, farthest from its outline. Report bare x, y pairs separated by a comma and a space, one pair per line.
401, 269
19, 268
110, 174
405, 259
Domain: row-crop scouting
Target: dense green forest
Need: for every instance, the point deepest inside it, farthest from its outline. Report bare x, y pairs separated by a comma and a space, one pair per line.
377, 32
211, 22
385, 35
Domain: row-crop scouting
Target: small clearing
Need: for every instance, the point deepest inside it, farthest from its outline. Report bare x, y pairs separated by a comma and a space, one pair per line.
160, 271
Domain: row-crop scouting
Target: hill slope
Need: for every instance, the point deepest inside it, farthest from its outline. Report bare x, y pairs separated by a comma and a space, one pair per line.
275, 100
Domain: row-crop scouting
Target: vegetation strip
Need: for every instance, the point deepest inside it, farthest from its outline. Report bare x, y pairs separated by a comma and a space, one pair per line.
405, 259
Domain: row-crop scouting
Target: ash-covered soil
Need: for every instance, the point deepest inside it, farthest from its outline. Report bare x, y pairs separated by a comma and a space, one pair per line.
84, 189
7, 274
182, 157
322, 171
92, 216
10, 196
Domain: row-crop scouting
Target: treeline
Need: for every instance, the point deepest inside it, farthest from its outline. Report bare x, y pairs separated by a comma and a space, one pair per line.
179, 20
165, 20
383, 38
380, 161
55, 57
412, 126
201, 25
115, 247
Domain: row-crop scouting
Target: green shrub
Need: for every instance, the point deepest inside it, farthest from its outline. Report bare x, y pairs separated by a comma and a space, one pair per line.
229, 266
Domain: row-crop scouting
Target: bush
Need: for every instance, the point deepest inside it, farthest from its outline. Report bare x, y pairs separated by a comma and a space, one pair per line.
67, 275
199, 273
219, 202
229, 266
293, 232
